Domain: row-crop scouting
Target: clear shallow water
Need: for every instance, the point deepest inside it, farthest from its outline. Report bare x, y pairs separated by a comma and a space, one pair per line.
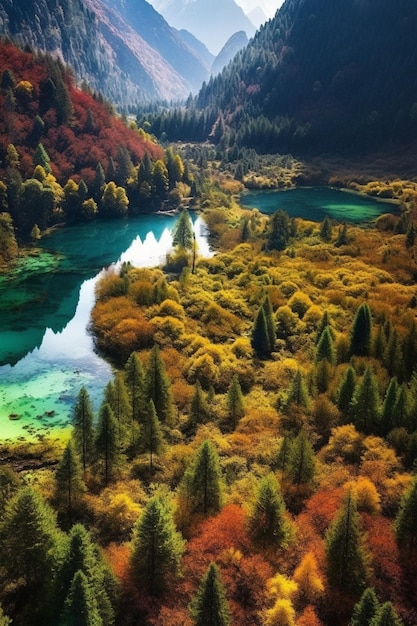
46, 352
314, 203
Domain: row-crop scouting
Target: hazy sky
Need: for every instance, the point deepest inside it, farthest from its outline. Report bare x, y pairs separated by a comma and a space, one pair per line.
269, 7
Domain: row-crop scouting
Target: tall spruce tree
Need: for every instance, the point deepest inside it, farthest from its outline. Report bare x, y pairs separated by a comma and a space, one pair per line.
183, 235
298, 393
158, 387
388, 407
81, 604
301, 466
210, 606
405, 526
118, 400
69, 484
361, 331
107, 441
157, 547
83, 427
199, 408
347, 559
386, 616
325, 347
234, 400
135, 384
346, 391
260, 340
267, 522
202, 486
365, 406
152, 439
365, 610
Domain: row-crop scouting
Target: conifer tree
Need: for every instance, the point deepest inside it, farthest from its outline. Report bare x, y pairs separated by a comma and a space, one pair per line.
326, 230
41, 158
346, 391
365, 409
81, 605
401, 408
83, 427
405, 525
301, 463
107, 441
69, 484
210, 607
158, 387
267, 522
365, 610
298, 393
199, 408
157, 546
279, 231
360, 334
284, 453
270, 322
325, 348
152, 437
201, 487
260, 339
183, 236
119, 402
235, 404
386, 616
342, 236
347, 560
135, 383
388, 407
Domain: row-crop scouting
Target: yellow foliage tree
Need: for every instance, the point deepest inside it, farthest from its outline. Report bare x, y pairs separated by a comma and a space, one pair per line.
281, 614
307, 577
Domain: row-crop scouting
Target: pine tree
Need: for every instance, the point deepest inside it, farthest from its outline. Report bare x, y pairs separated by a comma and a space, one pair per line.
405, 525
279, 231
260, 339
325, 348
342, 237
41, 157
388, 407
301, 467
234, 400
284, 453
157, 546
152, 438
346, 391
120, 405
107, 441
210, 607
201, 487
199, 409
270, 322
326, 230
183, 235
81, 605
83, 427
135, 383
360, 334
386, 616
69, 483
365, 410
298, 393
365, 610
347, 560
267, 523
158, 387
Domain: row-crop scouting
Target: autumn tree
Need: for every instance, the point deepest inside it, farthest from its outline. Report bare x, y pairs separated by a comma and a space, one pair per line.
201, 488
307, 576
157, 546
158, 387
210, 606
114, 201
268, 525
405, 525
8, 244
83, 427
347, 559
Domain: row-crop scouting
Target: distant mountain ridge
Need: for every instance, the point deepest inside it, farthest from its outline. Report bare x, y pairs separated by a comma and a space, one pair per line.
232, 46
126, 50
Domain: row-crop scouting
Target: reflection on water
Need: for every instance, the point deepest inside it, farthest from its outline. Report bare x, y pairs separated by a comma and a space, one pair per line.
44, 335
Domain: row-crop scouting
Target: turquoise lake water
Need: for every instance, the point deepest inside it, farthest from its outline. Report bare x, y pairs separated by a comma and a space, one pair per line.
46, 351
314, 203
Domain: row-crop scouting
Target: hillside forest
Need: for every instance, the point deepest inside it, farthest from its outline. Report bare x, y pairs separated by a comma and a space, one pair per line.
253, 460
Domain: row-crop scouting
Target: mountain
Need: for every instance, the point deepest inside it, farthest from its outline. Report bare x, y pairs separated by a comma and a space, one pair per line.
197, 47
257, 16
230, 49
126, 50
212, 21
317, 77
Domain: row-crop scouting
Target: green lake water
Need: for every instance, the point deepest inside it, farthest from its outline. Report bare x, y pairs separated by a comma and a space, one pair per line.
46, 351
314, 203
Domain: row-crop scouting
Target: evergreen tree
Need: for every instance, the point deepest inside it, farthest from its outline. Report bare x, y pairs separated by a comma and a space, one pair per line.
342, 237
234, 400
30, 542
260, 339
401, 408
152, 438
346, 391
284, 453
365, 410
267, 523
81, 605
41, 157
69, 484
326, 230
107, 440
210, 607
386, 616
405, 525
135, 383
270, 322
83, 427
347, 560
360, 334
325, 348
388, 407
158, 387
365, 609
183, 235
157, 546
201, 486
298, 393
199, 409
279, 231
301, 463
119, 402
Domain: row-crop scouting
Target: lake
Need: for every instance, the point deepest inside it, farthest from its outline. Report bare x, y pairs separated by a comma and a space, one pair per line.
314, 203
46, 351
